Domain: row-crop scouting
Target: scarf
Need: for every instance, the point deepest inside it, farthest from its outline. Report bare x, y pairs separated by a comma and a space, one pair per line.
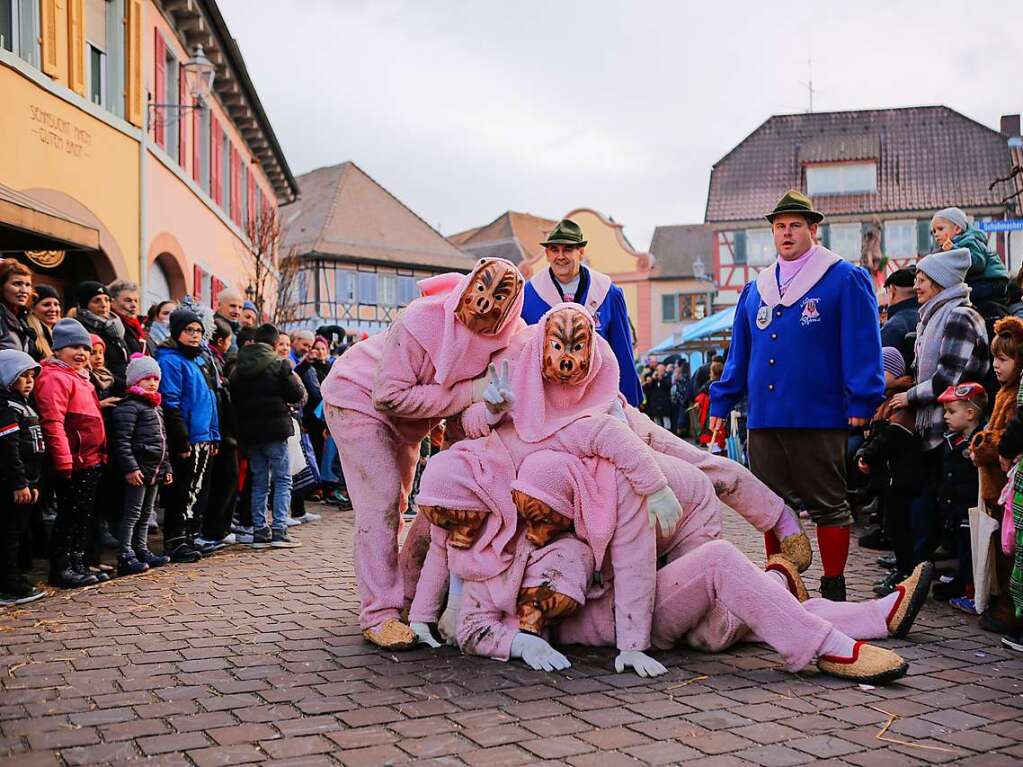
112, 326
457, 354
159, 332
133, 324
818, 261
103, 377
787, 270
542, 407
152, 397
929, 333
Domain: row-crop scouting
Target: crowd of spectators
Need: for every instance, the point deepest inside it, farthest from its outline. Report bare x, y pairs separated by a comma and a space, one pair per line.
206, 426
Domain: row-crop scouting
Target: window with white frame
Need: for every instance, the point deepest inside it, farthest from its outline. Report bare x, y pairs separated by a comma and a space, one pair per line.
900, 239
368, 288
847, 241
172, 117
669, 307
387, 290
760, 247
243, 183
225, 171
8, 25
344, 286
19, 29
96, 49
406, 290
841, 178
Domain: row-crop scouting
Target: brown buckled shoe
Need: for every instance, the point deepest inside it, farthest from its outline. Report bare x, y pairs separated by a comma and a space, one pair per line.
784, 565
392, 634
912, 595
796, 548
868, 665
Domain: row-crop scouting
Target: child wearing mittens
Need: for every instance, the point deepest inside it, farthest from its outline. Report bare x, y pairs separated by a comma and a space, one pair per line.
138, 444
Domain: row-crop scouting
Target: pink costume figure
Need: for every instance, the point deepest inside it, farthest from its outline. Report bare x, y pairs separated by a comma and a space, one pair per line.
712, 576
385, 394
563, 382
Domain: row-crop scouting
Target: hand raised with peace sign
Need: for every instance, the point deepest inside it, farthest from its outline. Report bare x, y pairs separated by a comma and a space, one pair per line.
498, 394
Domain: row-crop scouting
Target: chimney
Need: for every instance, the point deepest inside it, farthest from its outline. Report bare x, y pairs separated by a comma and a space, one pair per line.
1010, 126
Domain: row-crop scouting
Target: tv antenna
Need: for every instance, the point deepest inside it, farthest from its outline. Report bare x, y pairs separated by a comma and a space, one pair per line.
810, 90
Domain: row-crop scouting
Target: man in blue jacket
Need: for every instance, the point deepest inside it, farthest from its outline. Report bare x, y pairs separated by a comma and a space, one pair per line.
806, 350
568, 280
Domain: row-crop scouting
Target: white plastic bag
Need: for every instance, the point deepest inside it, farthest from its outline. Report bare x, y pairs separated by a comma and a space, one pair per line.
296, 455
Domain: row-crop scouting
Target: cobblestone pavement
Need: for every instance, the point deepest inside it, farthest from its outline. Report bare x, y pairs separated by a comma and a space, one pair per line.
255, 656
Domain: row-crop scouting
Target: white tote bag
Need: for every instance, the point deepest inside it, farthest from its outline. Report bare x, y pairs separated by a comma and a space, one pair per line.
982, 546
296, 455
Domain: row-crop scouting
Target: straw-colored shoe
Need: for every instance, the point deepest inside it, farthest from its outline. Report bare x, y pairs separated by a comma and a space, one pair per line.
869, 664
912, 595
392, 634
796, 548
793, 580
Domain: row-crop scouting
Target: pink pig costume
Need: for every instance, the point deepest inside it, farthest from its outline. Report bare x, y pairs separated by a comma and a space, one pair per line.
383, 396
547, 416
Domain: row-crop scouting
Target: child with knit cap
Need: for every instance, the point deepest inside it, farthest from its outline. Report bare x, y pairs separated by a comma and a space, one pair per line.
76, 448
987, 275
138, 443
21, 460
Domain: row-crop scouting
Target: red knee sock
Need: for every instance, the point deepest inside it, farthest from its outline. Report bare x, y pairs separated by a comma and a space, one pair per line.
771, 544
834, 546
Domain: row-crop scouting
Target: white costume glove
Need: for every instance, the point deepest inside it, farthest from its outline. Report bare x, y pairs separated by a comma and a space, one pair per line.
618, 411
537, 653
643, 664
448, 623
663, 509
423, 635
498, 394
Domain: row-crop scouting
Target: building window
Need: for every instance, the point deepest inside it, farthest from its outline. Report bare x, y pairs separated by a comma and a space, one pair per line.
900, 239
243, 189
19, 29
759, 247
387, 290
669, 308
8, 25
103, 47
368, 288
847, 241
97, 76
406, 290
172, 117
204, 149
225, 173
683, 307
344, 285
841, 178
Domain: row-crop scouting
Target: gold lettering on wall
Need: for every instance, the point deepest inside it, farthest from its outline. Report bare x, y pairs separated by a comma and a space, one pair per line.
60, 133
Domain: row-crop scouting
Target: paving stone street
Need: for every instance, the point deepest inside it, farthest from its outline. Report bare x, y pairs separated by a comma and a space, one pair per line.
255, 656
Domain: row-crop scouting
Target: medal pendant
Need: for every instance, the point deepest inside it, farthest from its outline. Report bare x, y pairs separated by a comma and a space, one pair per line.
763, 317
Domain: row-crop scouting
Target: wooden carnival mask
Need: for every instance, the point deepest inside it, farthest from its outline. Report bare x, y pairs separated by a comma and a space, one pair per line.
462, 526
539, 606
542, 522
568, 346
490, 295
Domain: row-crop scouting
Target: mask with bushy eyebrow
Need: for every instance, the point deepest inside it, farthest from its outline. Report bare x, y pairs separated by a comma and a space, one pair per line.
568, 339
488, 298
542, 522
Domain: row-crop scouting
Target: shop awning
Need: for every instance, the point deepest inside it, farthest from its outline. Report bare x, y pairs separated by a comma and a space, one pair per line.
30, 224
717, 325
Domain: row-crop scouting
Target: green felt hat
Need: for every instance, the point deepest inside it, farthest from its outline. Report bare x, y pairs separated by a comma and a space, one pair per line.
567, 232
796, 202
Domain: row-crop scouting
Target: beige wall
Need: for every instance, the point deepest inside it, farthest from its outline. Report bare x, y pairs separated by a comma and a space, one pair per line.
605, 252
659, 330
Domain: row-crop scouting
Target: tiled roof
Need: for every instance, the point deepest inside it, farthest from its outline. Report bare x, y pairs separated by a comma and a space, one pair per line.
514, 236
343, 212
928, 158
676, 247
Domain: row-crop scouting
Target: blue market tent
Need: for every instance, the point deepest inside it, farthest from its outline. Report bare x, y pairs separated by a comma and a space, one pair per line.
714, 329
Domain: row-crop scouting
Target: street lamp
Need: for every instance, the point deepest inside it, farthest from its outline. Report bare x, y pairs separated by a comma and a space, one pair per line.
198, 72
700, 273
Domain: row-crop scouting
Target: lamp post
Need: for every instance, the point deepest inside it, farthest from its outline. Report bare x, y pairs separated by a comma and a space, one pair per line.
700, 273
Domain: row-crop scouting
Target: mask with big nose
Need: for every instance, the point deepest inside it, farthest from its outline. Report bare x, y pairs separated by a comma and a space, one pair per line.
542, 522
568, 343
489, 297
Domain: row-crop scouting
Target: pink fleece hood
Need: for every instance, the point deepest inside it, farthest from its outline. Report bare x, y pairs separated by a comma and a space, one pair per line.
542, 407
456, 352
583, 490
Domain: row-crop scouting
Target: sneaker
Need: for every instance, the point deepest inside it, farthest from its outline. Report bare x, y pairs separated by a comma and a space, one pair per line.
184, 554
206, 547
281, 540
887, 561
339, 498
965, 604
241, 530
1013, 642
19, 592
293, 521
887, 585
261, 538
229, 540
243, 538
130, 565
946, 591
310, 517
151, 559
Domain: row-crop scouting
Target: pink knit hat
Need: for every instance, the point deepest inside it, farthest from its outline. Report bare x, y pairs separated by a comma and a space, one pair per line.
542, 407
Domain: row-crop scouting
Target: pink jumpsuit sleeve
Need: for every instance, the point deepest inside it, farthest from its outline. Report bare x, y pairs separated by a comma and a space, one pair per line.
733, 483
608, 438
633, 555
433, 581
397, 389
483, 627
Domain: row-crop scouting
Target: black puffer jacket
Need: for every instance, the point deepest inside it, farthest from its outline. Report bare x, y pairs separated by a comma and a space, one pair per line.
15, 332
263, 386
138, 440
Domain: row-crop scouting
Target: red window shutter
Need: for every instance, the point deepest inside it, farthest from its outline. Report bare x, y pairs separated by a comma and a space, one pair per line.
215, 186
183, 100
197, 282
197, 145
216, 286
159, 86
250, 199
235, 187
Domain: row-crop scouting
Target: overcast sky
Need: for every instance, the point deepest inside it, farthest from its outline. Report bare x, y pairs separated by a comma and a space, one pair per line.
466, 109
